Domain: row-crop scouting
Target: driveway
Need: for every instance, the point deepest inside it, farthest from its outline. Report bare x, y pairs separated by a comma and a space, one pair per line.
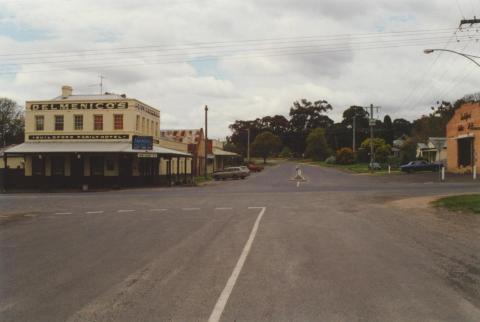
337, 247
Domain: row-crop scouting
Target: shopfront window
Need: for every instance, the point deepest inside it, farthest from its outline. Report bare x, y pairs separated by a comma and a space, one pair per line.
118, 121
39, 122
98, 122
58, 122
58, 166
78, 122
97, 166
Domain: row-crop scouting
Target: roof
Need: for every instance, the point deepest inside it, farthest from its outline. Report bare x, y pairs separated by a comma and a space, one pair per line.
106, 96
182, 135
422, 146
221, 152
86, 147
438, 142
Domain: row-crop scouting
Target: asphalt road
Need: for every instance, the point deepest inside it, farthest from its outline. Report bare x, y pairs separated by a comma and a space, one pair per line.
337, 247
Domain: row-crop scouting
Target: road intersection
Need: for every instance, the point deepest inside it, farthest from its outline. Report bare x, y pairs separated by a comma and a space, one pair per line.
338, 247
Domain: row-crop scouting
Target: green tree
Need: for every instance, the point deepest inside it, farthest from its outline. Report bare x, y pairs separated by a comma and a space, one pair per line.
316, 145
265, 145
408, 151
381, 150
387, 130
12, 124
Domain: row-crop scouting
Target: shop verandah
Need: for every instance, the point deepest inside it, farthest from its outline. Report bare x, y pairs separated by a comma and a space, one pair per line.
79, 165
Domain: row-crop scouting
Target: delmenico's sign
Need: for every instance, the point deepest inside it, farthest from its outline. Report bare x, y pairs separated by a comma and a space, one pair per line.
79, 106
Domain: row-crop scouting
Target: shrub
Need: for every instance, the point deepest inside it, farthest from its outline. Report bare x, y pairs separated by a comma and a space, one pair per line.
286, 152
330, 160
345, 156
317, 147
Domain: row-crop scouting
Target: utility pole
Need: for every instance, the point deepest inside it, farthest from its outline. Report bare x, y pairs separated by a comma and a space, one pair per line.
372, 123
354, 132
248, 145
206, 142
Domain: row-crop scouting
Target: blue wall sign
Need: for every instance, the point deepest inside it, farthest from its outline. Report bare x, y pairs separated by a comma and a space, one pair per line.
142, 142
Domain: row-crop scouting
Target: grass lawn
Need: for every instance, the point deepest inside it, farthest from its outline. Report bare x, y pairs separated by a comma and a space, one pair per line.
469, 203
356, 167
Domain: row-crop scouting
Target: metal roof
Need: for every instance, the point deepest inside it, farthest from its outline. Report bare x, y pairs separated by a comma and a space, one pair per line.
86, 147
221, 152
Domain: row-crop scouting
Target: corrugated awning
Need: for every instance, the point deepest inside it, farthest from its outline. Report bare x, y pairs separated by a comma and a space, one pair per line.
220, 152
87, 147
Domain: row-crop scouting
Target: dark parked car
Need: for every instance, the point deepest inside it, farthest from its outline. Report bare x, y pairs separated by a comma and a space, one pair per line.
420, 166
231, 173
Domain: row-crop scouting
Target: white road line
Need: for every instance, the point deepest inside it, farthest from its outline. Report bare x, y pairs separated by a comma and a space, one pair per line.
223, 208
94, 212
158, 209
222, 300
30, 215
298, 184
190, 209
63, 213
125, 210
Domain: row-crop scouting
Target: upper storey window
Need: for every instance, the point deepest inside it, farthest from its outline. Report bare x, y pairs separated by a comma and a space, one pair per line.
98, 122
39, 122
58, 122
118, 121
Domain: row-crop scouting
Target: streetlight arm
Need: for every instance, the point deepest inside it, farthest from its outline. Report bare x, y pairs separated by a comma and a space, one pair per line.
469, 57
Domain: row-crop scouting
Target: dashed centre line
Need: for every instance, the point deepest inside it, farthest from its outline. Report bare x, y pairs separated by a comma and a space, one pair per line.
94, 212
159, 210
223, 208
63, 213
190, 209
223, 298
126, 210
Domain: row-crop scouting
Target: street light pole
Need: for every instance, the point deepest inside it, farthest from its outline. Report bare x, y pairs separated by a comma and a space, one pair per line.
371, 137
467, 56
206, 141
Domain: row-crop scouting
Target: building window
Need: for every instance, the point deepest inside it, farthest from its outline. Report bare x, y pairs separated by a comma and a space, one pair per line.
78, 122
39, 122
156, 129
58, 166
97, 166
143, 125
58, 122
118, 121
137, 123
98, 122
147, 130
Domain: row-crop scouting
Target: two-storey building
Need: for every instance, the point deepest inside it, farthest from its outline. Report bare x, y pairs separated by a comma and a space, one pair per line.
77, 140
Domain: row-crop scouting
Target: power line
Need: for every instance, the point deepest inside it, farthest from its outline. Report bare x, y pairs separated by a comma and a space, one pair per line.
233, 42
277, 54
228, 50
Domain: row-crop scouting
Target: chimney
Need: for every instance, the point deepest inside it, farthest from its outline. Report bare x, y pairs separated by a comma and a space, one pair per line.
66, 91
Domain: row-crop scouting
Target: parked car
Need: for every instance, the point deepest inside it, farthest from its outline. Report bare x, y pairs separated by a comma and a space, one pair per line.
420, 165
231, 173
254, 167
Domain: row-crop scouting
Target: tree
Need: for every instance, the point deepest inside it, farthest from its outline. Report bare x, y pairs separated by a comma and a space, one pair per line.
379, 147
265, 145
286, 152
12, 124
304, 117
387, 130
408, 151
316, 145
401, 127
345, 156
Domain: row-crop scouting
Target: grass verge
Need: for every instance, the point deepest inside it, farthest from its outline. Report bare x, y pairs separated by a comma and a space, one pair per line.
355, 168
469, 203
201, 179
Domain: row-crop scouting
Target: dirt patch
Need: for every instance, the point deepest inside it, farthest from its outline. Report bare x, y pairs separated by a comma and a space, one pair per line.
424, 202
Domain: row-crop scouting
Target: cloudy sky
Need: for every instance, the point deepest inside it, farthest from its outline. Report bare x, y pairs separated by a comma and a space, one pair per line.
244, 58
